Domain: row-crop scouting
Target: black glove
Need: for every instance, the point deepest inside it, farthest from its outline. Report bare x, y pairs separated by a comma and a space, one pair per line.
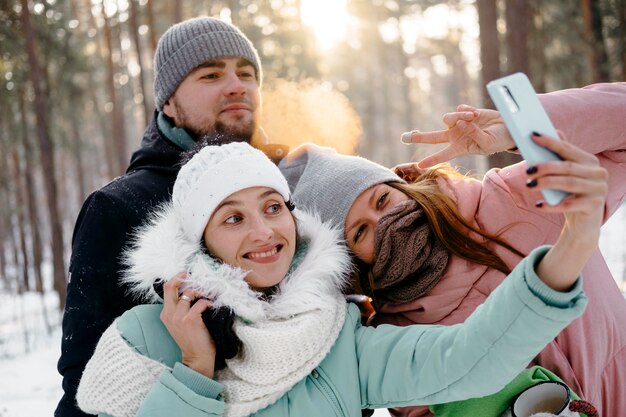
219, 322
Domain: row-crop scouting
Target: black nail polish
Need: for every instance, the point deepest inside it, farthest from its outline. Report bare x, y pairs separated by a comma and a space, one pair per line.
536, 133
539, 204
531, 183
531, 170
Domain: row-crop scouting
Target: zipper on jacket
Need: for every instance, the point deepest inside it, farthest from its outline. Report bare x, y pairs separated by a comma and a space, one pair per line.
329, 393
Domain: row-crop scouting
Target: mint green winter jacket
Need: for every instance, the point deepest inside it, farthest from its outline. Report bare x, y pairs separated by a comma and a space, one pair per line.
386, 366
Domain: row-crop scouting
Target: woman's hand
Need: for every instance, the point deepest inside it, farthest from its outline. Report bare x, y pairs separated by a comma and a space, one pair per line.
581, 175
470, 131
183, 318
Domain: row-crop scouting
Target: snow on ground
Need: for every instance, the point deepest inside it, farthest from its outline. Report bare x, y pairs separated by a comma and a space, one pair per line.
30, 385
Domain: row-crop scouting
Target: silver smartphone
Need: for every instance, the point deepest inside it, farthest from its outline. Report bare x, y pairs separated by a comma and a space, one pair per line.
523, 114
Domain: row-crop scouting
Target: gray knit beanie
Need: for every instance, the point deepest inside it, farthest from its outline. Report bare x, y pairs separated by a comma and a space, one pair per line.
188, 44
327, 183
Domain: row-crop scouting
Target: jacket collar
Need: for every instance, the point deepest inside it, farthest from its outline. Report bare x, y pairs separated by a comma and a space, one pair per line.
156, 151
159, 250
178, 136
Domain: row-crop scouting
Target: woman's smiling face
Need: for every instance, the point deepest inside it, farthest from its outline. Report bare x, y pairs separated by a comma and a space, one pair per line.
363, 217
253, 230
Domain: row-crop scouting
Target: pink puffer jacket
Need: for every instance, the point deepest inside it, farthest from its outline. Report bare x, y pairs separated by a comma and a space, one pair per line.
590, 354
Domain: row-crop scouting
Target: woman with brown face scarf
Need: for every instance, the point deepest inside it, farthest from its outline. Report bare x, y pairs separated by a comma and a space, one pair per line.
431, 248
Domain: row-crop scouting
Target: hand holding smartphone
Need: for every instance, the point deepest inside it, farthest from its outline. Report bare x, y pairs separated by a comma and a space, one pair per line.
523, 114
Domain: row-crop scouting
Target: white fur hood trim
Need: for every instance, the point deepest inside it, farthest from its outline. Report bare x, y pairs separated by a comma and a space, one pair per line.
160, 250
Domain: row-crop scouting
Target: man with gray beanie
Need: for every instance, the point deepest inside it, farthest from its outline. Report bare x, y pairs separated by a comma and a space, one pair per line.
207, 76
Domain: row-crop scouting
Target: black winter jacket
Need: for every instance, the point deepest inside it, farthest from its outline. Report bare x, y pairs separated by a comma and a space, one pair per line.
95, 296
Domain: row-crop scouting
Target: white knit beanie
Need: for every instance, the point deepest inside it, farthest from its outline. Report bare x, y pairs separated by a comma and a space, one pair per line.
215, 173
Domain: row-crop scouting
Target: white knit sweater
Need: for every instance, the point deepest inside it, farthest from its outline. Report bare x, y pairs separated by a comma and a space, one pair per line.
283, 338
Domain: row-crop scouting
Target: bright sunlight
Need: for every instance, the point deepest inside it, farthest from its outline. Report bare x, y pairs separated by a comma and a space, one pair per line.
329, 20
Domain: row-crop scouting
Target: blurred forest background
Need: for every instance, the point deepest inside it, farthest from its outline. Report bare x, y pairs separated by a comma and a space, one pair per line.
76, 87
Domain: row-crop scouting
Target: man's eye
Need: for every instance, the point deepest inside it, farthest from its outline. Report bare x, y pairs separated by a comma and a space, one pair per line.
246, 74
210, 76
358, 233
381, 200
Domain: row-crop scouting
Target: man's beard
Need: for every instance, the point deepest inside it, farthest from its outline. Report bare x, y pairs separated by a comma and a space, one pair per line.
242, 133
243, 130
212, 139
221, 138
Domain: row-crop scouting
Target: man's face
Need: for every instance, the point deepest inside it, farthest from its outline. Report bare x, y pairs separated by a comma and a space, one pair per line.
219, 96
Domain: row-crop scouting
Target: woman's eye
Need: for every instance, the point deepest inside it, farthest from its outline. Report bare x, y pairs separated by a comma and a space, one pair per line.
210, 76
246, 74
381, 200
234, 219
358, 233
274, 208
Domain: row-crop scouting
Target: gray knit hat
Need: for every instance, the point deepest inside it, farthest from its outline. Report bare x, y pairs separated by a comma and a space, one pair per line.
188, 44
327, 183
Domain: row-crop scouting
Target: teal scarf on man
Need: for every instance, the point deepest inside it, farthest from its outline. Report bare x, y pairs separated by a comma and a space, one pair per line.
176, 135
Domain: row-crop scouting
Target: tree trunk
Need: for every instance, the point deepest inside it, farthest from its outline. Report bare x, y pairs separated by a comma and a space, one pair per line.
489, 45
385, 100
178, 11
5, 215
517, 25
21, 219
490, 57
31, 198
460, 76
117, 120
13, 198
235, 7
23, 325
134, 30
3, 259
517, 14
78, 164
33, 218
374, 82
151, 26
459, 91
46, 153
105, 144
598, 57
538, 39
19, 284
406, 106
621, 44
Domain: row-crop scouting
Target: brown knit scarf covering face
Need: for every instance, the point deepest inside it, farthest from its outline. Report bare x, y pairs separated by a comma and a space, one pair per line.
410, 259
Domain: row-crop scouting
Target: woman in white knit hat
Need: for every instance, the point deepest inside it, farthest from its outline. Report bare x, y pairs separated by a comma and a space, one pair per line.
431, 251
300, 348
